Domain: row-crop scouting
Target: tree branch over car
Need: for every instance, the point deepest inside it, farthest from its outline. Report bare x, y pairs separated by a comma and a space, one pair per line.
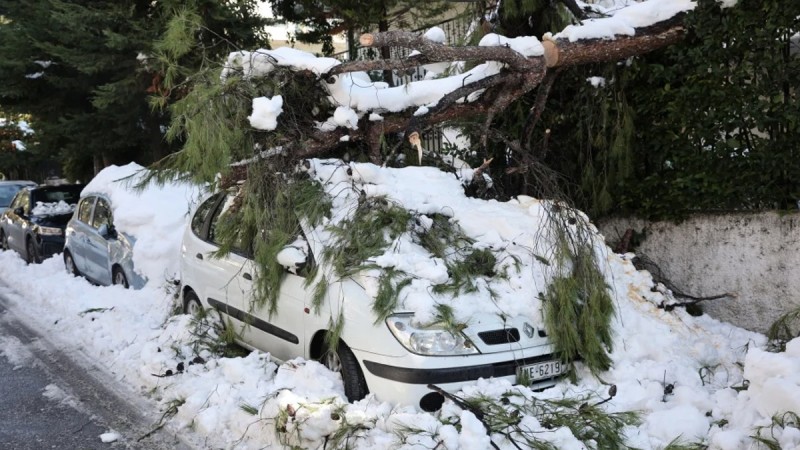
350, 110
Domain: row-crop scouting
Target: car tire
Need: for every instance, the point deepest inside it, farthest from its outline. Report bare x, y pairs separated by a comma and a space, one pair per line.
69, 264
345, 363
31, 256
118, 277
3, 240
191, 304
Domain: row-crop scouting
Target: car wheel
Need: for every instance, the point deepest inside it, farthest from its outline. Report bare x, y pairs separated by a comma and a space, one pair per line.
344, 362
69, 263
118, 277
30, 252
191, 304
3, 240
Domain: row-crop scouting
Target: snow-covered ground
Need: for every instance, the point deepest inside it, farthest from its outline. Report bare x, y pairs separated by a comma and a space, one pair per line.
691, 378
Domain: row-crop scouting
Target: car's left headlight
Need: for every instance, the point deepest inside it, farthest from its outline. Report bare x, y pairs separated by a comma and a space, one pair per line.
49, 231
433, 340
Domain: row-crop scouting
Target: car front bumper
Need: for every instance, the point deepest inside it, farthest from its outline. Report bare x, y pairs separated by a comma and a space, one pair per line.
405, 379
49, 245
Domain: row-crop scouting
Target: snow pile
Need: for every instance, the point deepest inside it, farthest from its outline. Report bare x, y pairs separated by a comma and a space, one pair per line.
774, 379
154, 215
52, 208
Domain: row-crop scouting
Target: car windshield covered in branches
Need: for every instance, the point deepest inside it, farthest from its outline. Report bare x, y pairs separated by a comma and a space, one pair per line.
409, 294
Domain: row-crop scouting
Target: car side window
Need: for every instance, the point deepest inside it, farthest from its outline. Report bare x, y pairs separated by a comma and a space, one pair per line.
199, 219
85, 210
102, 214
222, 213
23, 201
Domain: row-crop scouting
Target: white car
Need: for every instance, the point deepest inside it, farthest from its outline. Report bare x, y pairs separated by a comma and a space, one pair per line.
392, 359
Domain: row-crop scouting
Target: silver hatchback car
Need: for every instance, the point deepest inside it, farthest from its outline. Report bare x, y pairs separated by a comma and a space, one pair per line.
95, 250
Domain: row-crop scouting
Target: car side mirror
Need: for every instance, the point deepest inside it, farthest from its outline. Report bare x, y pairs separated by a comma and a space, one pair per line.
19, 211
107, 231
292, 259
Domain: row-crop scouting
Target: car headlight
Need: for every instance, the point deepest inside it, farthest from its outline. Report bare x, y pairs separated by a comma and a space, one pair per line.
49, 231
433, 340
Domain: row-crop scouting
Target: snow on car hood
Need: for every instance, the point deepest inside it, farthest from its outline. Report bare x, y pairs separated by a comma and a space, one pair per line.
155, 216
518, 232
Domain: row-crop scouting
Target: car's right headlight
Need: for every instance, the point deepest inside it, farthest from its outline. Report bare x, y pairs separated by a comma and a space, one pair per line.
433, 340
49, 231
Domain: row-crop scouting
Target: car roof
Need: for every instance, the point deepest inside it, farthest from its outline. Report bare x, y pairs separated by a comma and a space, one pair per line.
18, 183
59, 187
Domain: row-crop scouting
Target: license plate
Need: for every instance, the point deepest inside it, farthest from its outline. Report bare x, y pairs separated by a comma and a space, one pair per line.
538, 371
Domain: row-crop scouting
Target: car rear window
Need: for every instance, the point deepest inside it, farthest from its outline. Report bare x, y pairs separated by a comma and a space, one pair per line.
7, 193
55, 195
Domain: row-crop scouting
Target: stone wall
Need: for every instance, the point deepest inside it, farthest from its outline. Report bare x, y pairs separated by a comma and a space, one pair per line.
754, 255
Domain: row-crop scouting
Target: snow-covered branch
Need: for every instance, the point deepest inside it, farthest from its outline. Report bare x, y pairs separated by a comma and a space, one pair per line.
505, 70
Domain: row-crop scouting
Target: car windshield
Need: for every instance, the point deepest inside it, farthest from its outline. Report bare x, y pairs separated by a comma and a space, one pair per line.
7, 193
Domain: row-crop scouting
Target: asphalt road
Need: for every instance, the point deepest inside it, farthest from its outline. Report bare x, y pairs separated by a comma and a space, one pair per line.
82, 401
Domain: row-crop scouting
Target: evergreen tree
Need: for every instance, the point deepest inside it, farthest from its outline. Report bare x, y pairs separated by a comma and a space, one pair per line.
83, 70
711, 123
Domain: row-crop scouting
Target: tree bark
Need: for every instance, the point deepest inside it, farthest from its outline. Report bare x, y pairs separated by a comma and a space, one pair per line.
562, 53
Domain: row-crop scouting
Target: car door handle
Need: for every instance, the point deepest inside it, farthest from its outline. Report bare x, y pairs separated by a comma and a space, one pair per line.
247, 276
199, 256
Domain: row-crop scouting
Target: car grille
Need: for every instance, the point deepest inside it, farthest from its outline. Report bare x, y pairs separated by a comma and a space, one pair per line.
496, 337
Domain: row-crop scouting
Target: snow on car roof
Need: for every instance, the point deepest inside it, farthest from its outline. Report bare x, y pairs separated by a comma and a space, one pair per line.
154, 214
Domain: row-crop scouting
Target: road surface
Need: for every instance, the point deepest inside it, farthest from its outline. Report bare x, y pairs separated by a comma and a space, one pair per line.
53, 399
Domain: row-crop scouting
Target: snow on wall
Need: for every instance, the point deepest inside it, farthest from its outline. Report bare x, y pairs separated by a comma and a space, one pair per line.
757, 256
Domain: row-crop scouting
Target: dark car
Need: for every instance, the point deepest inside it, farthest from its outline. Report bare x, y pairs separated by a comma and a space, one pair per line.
33, 225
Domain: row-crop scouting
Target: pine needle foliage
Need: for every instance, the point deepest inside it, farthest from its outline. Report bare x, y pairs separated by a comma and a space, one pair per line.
375, 223
208, 122
447, 319
442, 235
588, 422
249, 409
388, 294
334, 334
680, 444
463, 272
267, 218
765, 435
577, 305
501, 416
786, 328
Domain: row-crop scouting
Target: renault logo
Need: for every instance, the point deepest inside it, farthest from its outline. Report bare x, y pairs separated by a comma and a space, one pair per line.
528, 329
